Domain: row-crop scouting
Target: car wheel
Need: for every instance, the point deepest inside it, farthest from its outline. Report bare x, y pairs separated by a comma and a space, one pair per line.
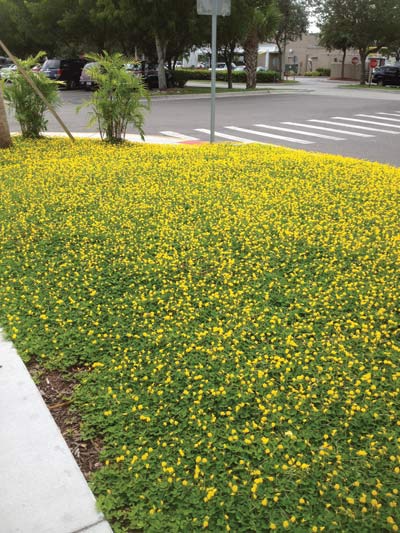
381, 83
72, 84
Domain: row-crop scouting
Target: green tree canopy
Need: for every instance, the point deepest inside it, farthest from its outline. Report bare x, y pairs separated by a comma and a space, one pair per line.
371, 24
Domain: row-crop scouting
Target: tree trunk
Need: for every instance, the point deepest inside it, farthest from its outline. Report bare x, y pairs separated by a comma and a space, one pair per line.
278, 44
161, 53
363, 57
5, 138
229, 52
283, 59
250, 47
343, 60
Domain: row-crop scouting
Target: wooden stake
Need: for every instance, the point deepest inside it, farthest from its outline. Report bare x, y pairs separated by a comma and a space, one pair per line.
5, 137
21, 70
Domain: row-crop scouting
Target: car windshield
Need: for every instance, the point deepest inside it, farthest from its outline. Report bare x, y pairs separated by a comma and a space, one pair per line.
133, 66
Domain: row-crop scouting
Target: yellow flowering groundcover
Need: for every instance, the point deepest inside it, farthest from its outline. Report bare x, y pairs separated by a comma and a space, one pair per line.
234, 313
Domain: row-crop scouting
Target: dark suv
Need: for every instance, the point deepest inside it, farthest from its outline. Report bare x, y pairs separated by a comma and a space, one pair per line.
64, 70
387, 75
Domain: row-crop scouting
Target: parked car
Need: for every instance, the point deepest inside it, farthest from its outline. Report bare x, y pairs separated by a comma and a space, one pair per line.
242, 68
149, 74
5, 62
64, 70
222, 66
86, 81
387, 75
6, 72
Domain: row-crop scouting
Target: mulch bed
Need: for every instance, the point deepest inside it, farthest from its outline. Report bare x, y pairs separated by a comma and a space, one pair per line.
56, 390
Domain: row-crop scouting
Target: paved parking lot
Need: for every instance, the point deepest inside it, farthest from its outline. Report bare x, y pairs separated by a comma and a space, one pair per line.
312, 115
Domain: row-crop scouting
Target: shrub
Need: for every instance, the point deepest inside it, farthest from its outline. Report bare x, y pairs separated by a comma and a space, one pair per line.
119, 98
318, 72
181, 77
323, 71
195, 74
267, 76
29, 108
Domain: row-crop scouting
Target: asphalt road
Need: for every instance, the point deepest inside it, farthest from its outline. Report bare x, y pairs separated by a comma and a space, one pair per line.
313, 115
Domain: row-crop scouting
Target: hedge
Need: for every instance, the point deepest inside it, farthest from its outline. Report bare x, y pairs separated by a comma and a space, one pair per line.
181, 76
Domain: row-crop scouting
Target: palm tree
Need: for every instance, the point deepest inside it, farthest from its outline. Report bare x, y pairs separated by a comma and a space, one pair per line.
5, 137
263, 22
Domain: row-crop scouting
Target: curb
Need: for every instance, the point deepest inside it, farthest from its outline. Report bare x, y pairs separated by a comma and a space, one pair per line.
130, 137
44, 490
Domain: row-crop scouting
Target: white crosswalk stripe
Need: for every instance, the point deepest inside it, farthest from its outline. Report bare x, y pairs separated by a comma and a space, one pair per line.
269, 135
367, 128
380, 118
367, 122
229, 137
289, 130
179, 135
390, 114
339, 128
355, 134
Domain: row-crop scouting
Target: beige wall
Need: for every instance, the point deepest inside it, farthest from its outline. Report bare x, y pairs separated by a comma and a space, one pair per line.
307, 53
351, 72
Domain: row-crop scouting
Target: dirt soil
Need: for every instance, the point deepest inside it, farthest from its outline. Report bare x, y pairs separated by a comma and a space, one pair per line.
57, 390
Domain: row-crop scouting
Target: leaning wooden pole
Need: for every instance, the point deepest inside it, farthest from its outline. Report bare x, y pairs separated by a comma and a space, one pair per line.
5, 137
21, 70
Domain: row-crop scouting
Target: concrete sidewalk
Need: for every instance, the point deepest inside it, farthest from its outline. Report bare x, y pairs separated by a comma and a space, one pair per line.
43, 489
151, 139
130, 137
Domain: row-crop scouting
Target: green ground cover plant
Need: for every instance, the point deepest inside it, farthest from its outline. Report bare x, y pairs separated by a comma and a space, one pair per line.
231, 316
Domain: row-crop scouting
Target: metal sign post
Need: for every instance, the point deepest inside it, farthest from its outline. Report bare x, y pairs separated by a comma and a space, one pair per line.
213, 8
213, 69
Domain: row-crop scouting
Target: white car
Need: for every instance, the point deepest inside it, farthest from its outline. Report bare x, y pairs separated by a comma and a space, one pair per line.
222, 66
6, 72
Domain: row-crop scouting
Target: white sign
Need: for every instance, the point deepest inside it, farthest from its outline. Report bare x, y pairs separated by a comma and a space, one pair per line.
205, 7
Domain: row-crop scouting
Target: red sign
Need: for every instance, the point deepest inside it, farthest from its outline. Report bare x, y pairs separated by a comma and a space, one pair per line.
373, 63
355, 60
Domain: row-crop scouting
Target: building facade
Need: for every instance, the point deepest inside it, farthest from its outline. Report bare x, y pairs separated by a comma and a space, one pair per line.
303, 55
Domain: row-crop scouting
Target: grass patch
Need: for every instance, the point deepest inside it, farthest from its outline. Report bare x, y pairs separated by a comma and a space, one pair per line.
231, 314
370, 87
200, 90
278, 83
